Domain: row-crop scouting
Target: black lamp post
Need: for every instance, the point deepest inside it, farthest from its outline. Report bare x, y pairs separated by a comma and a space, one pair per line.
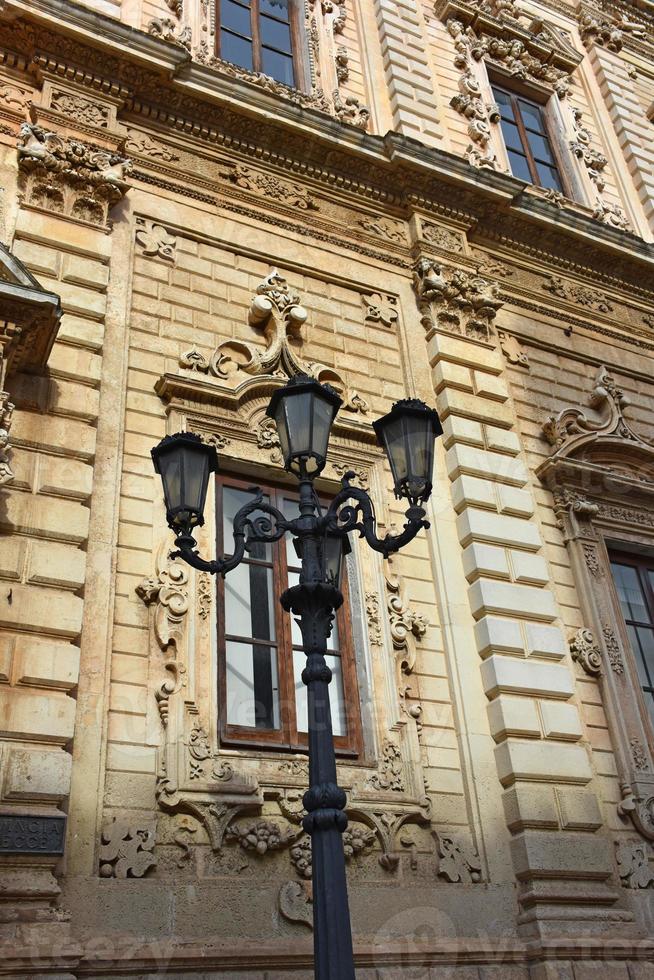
304, 411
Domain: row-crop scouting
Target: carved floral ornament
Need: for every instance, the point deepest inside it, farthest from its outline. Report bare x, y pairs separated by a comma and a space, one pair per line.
276, 313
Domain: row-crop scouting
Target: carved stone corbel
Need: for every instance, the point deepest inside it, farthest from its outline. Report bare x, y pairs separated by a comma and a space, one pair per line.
456, 301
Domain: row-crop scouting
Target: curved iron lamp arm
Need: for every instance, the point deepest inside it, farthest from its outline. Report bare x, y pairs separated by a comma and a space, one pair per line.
246, 533
342, 517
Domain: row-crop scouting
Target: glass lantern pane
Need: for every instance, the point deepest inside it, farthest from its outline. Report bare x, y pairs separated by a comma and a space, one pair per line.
252, 685
418, 438
393, 435
195, 473
170, 466
322, 423
297, 410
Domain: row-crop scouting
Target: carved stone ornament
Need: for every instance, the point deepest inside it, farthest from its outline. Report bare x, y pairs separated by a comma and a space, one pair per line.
357, 840
272, 188
380, 308
143, 145
6, 412
153, 239
449, 241
390, 775
275, 312
456, 301
167, 29
295, 902
68, 176
633, 865
592, 299
349, 110
83, 110
607, 31
458, 862
611, 215
262, 836
126, 850
586, 652
512, 350
373, 617
168, 592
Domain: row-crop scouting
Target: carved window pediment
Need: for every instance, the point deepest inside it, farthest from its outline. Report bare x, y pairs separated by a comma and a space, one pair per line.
33, 311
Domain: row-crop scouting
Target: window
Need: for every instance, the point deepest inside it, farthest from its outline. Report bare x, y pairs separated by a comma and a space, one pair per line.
528, 145
259, 35
263, 699
634, 582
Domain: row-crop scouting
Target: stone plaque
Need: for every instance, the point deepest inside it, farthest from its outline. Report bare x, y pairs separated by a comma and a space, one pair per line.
25, 834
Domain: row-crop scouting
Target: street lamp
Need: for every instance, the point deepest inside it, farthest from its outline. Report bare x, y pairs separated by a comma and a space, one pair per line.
304, 411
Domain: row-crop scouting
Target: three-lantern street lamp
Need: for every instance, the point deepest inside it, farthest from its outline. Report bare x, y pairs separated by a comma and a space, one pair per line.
303, 411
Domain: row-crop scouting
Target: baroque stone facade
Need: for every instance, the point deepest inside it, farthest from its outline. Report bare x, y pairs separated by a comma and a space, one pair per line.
178, 235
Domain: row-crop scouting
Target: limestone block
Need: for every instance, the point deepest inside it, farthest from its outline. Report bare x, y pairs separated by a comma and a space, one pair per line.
78, 299
43, 515
64, 477
46, 716
513, 716
56, 564
529, 569
549, 762
489, 386
485, 559
51, 432
568, 855
7, 644
84, 272
453, 401
46, 663
64, 235
446, 347
131, 758
516, 675
499, 467
129, 698
514, 501
80, 331
448, 374
491, 596
479, 525
545, 641
578, 808
37, 775
40, 259
30, 607
12, 557
75, 363
501, 440
497, 634
456, 429
530, 806
561, 721
471, 491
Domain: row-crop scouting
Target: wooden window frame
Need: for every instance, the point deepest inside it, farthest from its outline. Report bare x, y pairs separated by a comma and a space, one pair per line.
642, 564
296, 44
514, 95
287, 738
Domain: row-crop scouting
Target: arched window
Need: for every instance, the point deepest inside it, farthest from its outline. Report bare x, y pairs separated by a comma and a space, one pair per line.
261, 36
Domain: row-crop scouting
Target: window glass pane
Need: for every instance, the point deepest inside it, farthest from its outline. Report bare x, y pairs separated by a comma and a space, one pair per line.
540, 147
275, 34
548, 176
519, 168
634, 642
276, 8
278, 66
235, 17
249, 602
630, 593
646, 641
531, 116
236, 50
233, 500
511, 136
336, 697
252, 685
503, 100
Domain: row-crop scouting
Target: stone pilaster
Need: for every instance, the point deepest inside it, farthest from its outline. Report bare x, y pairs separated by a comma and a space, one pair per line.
560, 858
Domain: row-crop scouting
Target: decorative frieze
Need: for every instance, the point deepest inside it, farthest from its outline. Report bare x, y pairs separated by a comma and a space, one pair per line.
592, 299
271, 188
68, 176
82, 110
449, 241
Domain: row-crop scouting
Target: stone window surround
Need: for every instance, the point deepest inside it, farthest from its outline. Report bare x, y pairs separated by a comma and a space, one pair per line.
603, 492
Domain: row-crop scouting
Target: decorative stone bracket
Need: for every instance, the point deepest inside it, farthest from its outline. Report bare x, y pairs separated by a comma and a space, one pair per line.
456, 301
